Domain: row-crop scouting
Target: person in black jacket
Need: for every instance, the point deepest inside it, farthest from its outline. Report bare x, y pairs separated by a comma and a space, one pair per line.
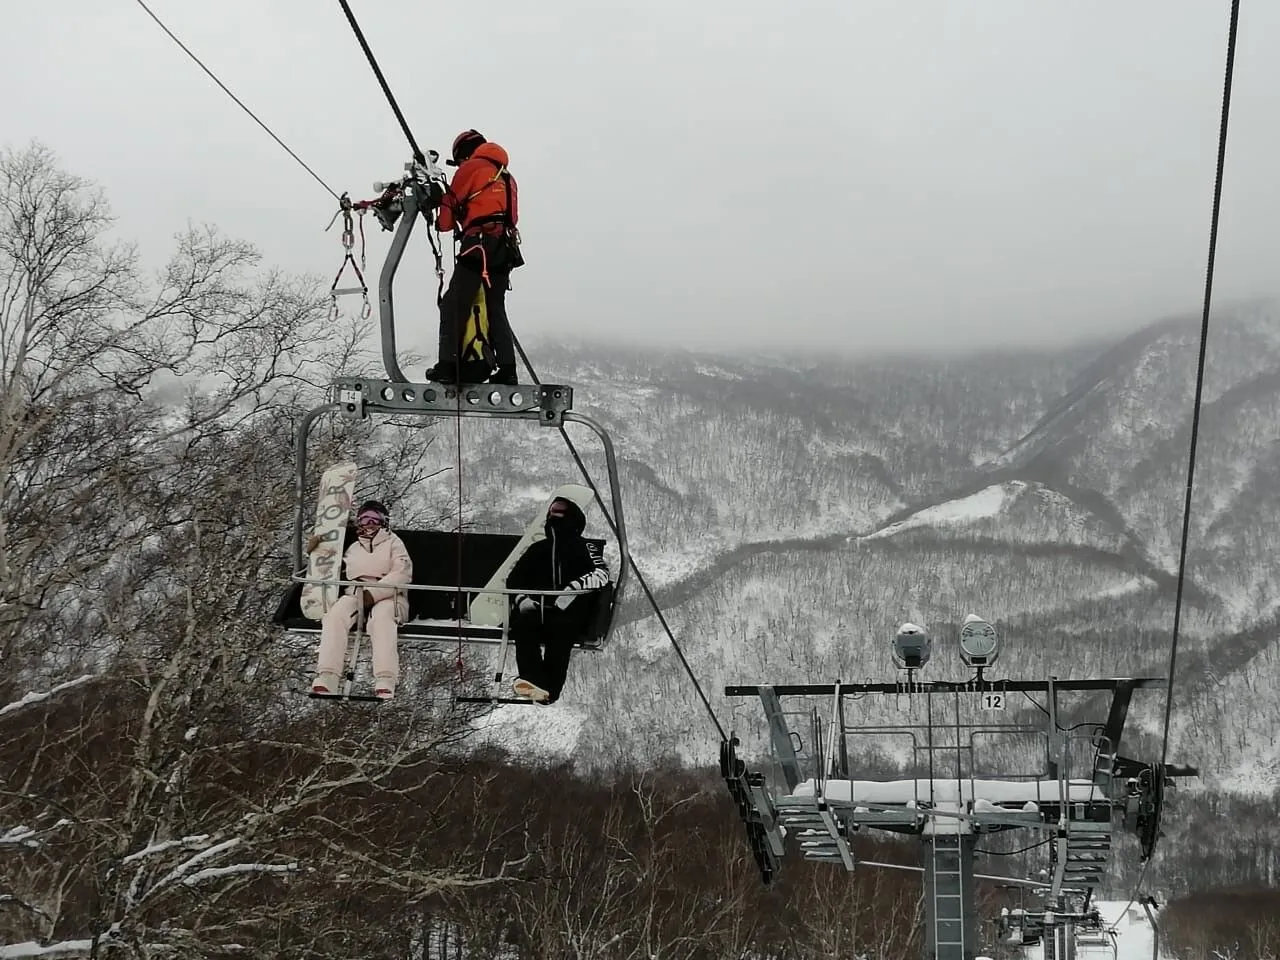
563, 561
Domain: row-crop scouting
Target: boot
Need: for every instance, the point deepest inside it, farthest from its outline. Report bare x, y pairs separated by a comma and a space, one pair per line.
325, 683
474, 371
528, 690
505, 375
443, 372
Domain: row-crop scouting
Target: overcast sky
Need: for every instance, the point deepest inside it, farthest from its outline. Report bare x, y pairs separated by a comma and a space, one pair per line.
719, 172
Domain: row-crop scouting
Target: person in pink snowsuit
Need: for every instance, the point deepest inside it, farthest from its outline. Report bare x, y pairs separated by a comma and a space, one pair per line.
377, 557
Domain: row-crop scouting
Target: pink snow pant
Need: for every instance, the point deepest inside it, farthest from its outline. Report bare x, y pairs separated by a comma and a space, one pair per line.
380, 622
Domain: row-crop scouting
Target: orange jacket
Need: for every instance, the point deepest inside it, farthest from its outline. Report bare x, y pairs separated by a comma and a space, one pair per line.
478, 192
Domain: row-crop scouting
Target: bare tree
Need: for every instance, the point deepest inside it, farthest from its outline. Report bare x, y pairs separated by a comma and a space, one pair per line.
165, 792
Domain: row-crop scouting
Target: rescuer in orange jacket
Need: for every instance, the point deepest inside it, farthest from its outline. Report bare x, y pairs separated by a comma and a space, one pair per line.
481, 207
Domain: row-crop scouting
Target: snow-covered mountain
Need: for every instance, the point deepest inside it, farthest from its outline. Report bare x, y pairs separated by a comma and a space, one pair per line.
790, 513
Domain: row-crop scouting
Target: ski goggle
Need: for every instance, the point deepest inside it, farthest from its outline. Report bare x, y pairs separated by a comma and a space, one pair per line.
370, 516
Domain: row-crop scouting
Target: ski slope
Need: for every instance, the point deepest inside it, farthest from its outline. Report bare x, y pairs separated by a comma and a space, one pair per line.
1133, 939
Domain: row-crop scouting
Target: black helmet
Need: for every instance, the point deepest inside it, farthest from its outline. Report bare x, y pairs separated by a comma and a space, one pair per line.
464, 144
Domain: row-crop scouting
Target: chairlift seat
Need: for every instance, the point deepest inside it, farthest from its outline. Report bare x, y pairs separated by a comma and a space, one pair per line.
434, 614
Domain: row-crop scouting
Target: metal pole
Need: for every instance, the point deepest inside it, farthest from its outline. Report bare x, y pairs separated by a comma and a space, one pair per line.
616, 522
1155, 928
386, 309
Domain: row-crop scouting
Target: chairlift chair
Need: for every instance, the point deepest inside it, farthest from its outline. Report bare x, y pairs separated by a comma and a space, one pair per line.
451, 602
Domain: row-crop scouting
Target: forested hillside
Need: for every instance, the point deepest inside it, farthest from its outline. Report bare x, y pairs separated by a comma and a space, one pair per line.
163, 787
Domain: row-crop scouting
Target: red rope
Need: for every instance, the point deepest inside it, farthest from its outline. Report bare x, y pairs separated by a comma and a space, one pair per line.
457, 350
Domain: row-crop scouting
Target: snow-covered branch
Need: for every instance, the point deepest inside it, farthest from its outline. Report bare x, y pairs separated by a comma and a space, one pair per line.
63, 948
181, 869
165, 845
24, 836
38, 697
19, 836
213, 873
9, 898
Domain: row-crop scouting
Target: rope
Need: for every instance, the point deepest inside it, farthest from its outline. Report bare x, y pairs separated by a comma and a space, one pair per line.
420, 157
1137, 892
435, 252
457, 372
377, 72
458, 447
1195, 415
314, 175
1013, 853
639, 576
1195, 431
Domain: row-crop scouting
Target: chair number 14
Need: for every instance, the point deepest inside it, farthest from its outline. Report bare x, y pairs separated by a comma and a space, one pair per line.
993, 701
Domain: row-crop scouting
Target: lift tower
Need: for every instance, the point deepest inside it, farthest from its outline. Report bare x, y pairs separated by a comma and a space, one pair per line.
1082, 790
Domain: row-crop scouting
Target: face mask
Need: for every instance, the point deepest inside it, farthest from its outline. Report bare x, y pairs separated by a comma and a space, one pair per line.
557, 525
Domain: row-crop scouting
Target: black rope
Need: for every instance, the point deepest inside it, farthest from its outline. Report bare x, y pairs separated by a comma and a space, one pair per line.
1013, 853
377, 72
582, 468
1195, 431
1195, 415
315, 175
1137, 892
418, 155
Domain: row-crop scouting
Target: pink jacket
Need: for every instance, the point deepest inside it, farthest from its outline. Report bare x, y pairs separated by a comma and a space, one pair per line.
383, 559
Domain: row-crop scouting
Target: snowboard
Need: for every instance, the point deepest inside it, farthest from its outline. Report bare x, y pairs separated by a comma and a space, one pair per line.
333, 507
487, 609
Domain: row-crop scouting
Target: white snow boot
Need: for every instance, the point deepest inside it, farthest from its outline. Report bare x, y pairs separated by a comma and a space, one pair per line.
325, 683
530, 691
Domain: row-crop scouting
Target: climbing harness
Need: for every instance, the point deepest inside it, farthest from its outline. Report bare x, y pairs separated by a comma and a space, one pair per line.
345, 208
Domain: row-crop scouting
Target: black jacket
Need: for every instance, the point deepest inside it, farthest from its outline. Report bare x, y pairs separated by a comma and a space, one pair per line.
563, 561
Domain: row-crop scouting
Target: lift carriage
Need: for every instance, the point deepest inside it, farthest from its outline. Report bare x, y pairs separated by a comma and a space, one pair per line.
457, 594
1077, 801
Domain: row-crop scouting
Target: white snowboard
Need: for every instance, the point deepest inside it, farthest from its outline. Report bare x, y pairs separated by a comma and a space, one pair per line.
487, 609
333, 508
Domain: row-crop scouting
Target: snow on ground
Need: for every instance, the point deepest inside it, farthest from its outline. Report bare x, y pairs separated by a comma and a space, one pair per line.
1133, 935
1254, 776
669, 567
1132, 585
985, 503
532, 730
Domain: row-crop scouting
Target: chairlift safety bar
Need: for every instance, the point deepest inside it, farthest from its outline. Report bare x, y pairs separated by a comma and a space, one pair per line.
946, 686
400, 405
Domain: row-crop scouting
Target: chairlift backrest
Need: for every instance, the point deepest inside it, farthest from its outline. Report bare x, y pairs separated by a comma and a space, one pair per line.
433, 614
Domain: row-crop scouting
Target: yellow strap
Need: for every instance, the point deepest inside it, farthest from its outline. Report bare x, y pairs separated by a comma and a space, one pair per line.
475, 333
492, 181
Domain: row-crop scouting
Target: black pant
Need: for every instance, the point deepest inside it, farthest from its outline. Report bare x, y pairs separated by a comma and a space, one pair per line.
555, 630
455, 306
